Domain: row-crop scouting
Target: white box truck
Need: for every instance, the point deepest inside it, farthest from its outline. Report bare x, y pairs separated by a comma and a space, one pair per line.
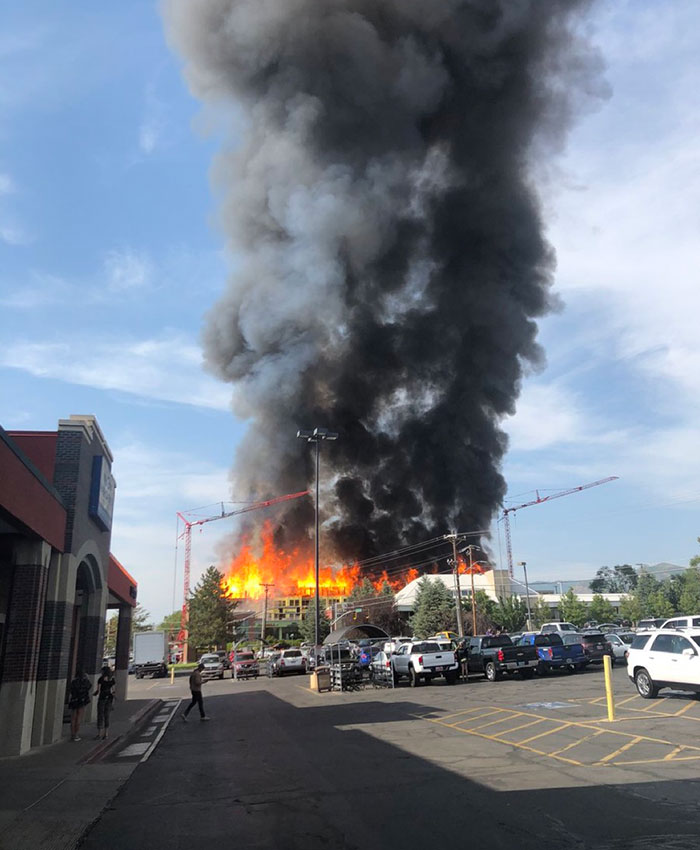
150, 654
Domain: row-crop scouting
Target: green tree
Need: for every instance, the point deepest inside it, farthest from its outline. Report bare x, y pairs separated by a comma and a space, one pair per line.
170, 624
434, 610
370, 604
308, 625
510, 613
690, 595
210, 612
630, 609
572, 609
540, 611
111, 635
141, 619
603, 581
695, 560
660, 605
645, 593
600, 609
622, 578
485, 607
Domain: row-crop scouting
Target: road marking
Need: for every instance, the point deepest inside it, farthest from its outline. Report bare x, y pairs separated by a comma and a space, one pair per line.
150, 731
155, 743
575, 743
524, 725
684, 709
465, 711
544, 734
621, 750
134, 750
494, 722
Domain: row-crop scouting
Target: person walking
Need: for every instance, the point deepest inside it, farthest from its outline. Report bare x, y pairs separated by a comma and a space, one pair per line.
105, 700
196, 690
79, 697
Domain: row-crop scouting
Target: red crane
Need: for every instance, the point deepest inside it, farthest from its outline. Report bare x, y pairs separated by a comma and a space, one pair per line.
187, 534
538, 501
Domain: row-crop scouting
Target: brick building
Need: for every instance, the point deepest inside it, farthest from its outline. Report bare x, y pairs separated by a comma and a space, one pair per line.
57, 576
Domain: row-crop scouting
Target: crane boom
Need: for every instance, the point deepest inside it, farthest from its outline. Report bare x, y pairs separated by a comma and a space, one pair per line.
538, 501
187, 534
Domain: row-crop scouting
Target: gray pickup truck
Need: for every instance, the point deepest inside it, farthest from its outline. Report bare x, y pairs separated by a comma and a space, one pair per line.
423, 661
496, 655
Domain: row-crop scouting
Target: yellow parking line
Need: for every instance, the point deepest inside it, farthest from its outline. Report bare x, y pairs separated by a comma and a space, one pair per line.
621, 750
674, 752
628, 699
494, 722
523, 726
684, 709
465, 711
575, 743
655, 761
544, 734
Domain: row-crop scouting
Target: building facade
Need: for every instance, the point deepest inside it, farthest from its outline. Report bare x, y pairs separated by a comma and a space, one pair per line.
57, 576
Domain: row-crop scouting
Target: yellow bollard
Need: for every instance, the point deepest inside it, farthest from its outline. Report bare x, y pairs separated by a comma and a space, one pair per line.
607, 668
172, 674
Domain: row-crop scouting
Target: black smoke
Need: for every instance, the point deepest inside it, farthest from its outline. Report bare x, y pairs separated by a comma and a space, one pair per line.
379, 196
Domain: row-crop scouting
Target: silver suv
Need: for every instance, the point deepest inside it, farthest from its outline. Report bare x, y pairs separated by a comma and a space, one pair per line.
665, 659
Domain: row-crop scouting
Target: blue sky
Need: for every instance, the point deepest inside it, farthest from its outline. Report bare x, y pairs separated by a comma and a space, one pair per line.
110, 255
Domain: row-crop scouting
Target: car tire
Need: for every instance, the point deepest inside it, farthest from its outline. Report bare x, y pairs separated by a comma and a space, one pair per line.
491, 672
645, 684
542, 669
414, 680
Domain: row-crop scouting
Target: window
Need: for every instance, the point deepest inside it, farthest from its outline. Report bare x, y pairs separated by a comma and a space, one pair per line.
639, 641
673, 624
680, 644
696, 621
663, 643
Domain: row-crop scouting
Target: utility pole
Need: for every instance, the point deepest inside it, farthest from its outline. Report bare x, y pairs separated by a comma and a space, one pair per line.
458, 593
264, 618
471, 549
523, 564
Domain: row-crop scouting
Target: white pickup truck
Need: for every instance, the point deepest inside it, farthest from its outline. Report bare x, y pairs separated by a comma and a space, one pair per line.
422, 661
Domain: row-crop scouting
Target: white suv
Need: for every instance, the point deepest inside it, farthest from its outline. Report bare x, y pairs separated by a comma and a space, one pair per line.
682, 622
558, 628
665, 659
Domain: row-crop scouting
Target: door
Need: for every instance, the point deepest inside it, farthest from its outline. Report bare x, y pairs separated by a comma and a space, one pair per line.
400, 659
475, 661
684, 667
660, 658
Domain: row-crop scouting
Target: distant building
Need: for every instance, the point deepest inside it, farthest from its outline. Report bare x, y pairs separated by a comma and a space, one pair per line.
57, 576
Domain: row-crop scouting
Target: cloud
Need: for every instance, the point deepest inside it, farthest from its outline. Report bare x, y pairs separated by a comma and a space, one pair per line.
165, 368
13, 234
127, 269
7, 185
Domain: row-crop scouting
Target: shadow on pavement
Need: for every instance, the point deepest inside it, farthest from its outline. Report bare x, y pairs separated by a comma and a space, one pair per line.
264, 774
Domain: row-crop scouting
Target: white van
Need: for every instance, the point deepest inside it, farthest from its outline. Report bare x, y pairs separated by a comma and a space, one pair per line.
558, 628
692, 622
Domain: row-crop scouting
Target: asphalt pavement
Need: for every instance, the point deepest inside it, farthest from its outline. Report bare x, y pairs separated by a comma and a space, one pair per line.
490, 765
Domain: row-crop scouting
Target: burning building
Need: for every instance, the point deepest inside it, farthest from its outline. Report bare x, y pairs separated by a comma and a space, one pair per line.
379, 192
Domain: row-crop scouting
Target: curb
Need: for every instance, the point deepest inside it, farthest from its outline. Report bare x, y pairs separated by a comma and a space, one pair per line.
135, 722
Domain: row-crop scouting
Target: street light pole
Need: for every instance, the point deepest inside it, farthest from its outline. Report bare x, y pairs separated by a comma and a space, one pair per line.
523, 564
316, 436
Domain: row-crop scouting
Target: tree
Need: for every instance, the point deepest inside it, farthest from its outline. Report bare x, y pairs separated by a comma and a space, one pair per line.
540, 612
171, 625
572, 609
210, 612
622, 578
603, 581
371, 604
141, 619
600, 609
630, 609
308, 625
647, 587
695, 560
111, 635
660, 605
434, 609
510, 613
690, 595
485, 606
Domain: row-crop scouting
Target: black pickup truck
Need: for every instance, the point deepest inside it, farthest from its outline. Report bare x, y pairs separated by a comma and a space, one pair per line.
496, 655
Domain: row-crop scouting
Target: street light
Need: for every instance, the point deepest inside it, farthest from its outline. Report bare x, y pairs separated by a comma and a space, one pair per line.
523, 564
317, 436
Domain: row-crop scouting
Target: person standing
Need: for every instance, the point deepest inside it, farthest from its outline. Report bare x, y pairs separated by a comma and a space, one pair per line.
105, 700
79, 697
196, 690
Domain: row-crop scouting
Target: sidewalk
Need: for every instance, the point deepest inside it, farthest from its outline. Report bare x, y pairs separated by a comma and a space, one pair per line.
49, 797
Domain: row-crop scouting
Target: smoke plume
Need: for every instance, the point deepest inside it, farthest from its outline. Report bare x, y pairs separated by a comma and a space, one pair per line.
378, 195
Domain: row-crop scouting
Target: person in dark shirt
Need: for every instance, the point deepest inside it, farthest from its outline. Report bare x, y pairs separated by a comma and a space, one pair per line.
105, 700
79, 697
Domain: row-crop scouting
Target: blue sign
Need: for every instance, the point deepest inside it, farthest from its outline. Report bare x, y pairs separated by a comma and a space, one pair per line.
102, 488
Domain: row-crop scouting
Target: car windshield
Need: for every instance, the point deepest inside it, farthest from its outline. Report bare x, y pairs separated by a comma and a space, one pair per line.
426, 647
498, 640
571, 638
210, 659
245, 656
592, 639
292, 653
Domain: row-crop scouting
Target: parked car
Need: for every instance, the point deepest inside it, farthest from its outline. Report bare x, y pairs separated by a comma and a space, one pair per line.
650, 623
245, 666
596, 647
213, 666
557, 628
692, 622
619, 643
495, 655
553, 653
224, 656
606, 628
665, 659
423, 661
272, 663
367, 653
380, 668
291, 661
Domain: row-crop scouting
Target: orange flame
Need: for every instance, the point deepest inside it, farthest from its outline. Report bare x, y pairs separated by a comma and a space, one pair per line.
292, 573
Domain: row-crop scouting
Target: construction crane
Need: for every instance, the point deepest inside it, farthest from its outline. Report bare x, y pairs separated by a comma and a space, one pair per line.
187, 535
538, 501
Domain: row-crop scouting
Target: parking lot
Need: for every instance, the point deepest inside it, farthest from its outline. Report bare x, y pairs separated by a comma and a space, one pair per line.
554, 725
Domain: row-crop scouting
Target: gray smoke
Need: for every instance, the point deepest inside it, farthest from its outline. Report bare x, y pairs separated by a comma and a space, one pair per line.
379, 196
